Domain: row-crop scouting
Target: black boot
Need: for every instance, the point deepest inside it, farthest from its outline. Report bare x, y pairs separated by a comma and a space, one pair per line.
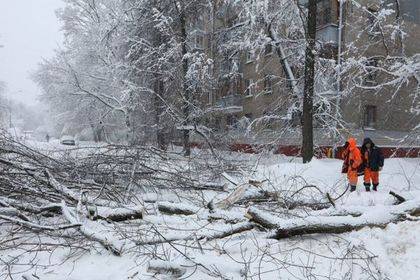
352, 188
367, 186
375, 187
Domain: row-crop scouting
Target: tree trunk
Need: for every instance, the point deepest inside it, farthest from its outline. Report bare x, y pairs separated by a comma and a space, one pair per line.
158, 89
186, 89
307, 115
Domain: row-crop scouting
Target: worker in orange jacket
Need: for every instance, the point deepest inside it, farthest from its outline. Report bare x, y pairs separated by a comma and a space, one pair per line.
352, 161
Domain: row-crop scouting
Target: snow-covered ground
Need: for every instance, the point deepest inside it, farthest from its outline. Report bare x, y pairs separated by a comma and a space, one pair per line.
370, 253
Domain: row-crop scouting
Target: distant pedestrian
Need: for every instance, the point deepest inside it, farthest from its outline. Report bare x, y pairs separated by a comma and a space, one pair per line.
352, 161
373, 161
47, 137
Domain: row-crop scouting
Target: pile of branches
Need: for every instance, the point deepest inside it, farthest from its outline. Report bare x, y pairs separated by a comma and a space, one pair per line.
59, 194
89, 196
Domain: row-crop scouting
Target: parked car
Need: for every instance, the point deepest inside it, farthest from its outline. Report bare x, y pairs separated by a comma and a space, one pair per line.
67, 140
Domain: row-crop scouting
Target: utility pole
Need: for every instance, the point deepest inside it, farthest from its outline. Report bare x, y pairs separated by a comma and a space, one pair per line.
308, 94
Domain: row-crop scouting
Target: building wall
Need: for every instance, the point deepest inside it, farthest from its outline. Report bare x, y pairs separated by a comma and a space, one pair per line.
392, 104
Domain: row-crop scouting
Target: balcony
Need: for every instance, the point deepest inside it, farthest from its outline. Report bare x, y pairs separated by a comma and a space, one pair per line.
328, 34
229, 104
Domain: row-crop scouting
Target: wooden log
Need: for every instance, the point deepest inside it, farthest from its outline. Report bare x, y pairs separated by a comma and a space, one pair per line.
286, 228
177, 208
118, 214
282, 233
265, 219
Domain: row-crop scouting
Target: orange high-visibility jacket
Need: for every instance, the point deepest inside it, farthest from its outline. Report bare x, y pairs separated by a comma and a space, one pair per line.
354, 155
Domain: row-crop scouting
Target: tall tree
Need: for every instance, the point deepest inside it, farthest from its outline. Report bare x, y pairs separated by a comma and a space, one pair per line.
308, 92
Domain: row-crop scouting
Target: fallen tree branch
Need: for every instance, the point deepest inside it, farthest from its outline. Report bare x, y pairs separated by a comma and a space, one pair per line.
330, 200
89, 233
332, 224
37, 227
60, 188
233, 229
167, 268
398, 197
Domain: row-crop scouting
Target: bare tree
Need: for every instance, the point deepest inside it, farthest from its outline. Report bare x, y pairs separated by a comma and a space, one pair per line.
308, 93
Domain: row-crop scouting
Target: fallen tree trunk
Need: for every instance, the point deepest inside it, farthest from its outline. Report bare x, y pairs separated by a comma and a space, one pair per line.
265, 219
177, 208
286, 228
118, 214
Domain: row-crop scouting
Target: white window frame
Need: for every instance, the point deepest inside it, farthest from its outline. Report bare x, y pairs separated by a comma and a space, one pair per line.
249, 90
249, 57
271, 50
270, 79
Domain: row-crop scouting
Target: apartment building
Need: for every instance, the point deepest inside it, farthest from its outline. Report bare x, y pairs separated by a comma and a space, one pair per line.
390, 107
259, 89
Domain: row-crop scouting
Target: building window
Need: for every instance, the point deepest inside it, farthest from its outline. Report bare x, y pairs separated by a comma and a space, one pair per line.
247, 121
370, 116
248, 87
199, 41
217, 124
248, 116
268, 84
296, 118
324, 13
231, 121
210, 97
269, 119
371, 71
268, 49
249, 57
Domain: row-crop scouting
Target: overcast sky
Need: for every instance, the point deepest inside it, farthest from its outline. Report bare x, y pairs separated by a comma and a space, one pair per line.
29, 31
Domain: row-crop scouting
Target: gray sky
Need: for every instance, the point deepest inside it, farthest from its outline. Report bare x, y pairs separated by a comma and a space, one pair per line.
29, 31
